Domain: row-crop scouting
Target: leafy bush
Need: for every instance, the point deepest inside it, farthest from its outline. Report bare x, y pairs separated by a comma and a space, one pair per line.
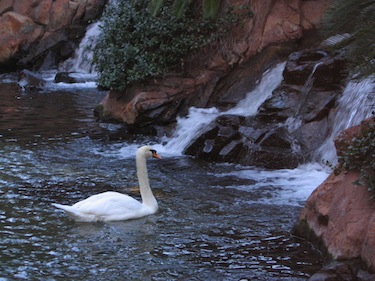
135, 45
359, 155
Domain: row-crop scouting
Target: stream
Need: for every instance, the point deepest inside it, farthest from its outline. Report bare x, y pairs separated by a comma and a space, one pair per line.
216, 221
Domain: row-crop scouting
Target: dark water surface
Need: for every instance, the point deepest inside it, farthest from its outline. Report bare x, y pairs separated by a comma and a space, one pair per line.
212, 225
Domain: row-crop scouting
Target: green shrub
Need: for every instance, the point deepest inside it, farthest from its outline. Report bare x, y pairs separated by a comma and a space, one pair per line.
359, 155
135, 45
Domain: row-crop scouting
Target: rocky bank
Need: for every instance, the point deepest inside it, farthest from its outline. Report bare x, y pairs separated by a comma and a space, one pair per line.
339, 217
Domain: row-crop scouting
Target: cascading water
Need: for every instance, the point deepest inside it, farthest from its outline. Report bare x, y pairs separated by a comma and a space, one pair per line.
198, 119
82, 61
253, 100
294, 122
188, 128
80, 66
356, 104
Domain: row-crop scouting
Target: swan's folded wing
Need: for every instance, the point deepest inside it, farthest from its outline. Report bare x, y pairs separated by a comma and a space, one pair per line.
108, 204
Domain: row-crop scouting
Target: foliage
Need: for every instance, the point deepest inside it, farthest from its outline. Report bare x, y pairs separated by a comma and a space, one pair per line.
210, 8
359, 155
134, 45
355, 17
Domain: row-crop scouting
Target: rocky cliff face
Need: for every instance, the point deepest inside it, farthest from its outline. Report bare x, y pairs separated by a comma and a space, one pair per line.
341, 216
38, 34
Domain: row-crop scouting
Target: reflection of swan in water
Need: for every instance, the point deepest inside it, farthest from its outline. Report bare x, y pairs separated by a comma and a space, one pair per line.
114, 206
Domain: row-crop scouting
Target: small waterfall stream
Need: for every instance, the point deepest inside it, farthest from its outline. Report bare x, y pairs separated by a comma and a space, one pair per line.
197, 120
356, 104
81, 62
294, 122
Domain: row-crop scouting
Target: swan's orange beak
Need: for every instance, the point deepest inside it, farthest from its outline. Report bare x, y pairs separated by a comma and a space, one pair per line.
155, 155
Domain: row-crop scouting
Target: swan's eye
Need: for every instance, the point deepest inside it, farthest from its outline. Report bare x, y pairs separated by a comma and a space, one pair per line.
155, 154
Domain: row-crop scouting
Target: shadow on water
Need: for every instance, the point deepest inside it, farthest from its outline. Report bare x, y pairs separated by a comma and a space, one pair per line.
211, 224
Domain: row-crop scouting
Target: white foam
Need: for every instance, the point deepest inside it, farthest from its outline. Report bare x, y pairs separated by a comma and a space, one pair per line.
284, 186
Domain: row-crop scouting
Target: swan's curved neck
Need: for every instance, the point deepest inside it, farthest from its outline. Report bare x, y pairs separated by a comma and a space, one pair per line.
148, 198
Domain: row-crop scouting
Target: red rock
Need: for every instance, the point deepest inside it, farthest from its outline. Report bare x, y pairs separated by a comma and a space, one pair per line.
312, 13
24, 22
41, 13
342, 214
22, 7
6, 6
62, 14
16, 30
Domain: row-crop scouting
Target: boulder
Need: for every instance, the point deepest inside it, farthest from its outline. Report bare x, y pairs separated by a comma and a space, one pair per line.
340, 216
16, 30
31, 29
30, 80
324, 71
65, 78
347, 270
247, 141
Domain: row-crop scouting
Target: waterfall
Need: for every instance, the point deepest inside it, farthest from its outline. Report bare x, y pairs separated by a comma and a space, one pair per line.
188, 128
253, 100
356, 104
198, 119
294, 122
82, 60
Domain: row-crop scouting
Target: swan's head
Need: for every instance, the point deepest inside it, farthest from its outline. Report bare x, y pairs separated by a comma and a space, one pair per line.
148, 152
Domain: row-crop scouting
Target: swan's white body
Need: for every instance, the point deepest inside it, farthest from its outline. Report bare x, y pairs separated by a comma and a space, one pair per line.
114, 206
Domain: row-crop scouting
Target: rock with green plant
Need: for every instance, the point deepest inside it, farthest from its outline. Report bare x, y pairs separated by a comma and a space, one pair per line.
356, 152
138, 44
339, 216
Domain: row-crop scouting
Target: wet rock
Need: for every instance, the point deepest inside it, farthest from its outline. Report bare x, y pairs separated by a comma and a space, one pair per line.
29, 80
347, 270
329, 73
281, 105
324, 71
246, 141
300, 66
338, 271
287, 130
65, 78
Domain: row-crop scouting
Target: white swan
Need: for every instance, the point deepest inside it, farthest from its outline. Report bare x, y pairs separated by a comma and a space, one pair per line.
114, 206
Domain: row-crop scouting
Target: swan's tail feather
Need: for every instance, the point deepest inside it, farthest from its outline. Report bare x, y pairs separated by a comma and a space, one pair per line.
74, 213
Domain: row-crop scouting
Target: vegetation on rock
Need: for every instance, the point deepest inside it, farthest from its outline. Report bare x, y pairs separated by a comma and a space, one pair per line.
135, 45
355, 20
358, 154
210, 8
